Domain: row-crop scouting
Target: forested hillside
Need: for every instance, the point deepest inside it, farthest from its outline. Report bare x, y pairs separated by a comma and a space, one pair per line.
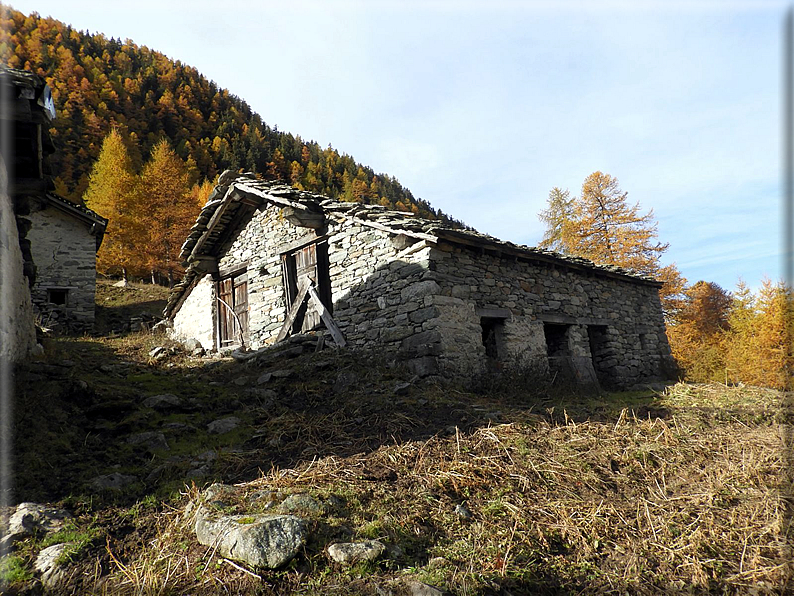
100, 83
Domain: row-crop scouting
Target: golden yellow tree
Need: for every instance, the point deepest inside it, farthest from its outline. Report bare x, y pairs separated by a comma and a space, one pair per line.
696, 331
758, 347
111, 193
168, 210
600, 225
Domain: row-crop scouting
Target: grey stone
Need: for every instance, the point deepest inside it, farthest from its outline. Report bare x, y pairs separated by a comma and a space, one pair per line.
463, 512
423, 367
350, 553
420, 589
344, 380
300, 504
401, 388
47, 564
192, 344
114, 481
264, 378
151, 440
420, 289
164, 402
32, 518
396, 333
161, 327
261, 541
218, 491
224, 425
420, 340
423, 314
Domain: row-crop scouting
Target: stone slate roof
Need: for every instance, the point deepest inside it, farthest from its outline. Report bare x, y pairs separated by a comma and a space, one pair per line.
99, 224
238, 195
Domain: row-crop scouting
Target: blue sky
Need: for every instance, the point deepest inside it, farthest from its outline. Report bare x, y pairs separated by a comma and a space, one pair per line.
481, 108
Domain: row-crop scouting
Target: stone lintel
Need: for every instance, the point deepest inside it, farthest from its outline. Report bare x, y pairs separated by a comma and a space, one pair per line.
568, 320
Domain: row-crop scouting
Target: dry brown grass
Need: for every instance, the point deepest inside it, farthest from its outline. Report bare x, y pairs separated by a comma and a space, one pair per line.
692, 502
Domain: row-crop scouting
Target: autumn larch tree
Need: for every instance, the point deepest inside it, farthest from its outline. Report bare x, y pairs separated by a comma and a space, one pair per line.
111, 193
697, 330
600, 225
558, 219
168, 209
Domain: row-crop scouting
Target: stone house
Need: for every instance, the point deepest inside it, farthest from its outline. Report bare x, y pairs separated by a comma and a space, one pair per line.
26, 113
64, 241
265, 260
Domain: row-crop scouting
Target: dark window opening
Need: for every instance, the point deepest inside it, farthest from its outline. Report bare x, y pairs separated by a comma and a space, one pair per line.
232, 293
58, 297
645, 342
492, 330
556, 339
311, 261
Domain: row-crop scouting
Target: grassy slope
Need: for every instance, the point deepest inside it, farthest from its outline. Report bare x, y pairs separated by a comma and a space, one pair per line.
628, 493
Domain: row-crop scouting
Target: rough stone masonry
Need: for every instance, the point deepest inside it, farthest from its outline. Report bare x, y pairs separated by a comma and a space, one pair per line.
442, 300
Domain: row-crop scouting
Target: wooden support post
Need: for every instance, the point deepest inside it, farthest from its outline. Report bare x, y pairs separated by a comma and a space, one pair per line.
293, 312
326, 317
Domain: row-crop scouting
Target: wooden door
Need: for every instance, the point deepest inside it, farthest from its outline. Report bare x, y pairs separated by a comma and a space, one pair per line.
233, 311
309, 261
306, 265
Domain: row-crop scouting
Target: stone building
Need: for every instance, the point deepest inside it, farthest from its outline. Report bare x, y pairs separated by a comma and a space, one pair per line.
64, 241
265, 260
26, 111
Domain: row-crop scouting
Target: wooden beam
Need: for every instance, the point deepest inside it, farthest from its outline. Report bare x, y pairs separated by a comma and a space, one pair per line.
304, 218
225, 202
305, 240
293, 311
326, 317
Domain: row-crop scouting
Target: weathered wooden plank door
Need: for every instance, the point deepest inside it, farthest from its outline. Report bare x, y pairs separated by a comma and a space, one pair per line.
226, 324
232, 311
309, 261
306, 265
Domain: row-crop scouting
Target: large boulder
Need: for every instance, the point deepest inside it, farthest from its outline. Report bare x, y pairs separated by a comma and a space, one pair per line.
260, 541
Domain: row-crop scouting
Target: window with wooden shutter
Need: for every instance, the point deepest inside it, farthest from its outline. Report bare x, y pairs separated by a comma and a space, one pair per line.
232, 310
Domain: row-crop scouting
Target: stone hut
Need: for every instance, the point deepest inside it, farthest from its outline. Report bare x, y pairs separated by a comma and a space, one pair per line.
265, 260
64, 241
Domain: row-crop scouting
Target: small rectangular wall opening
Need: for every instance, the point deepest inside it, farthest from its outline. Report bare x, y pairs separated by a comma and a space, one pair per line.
58, 296
556, 339
493, 336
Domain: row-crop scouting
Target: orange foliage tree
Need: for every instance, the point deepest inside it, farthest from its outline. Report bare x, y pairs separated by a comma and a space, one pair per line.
150, 214
600, 225
167, 210
757, 346
111, 193
696, 331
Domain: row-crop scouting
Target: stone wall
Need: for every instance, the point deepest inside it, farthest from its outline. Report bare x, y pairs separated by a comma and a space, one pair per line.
432, 305
195, 319
373, 302
624, 317
64, 252
17, 330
